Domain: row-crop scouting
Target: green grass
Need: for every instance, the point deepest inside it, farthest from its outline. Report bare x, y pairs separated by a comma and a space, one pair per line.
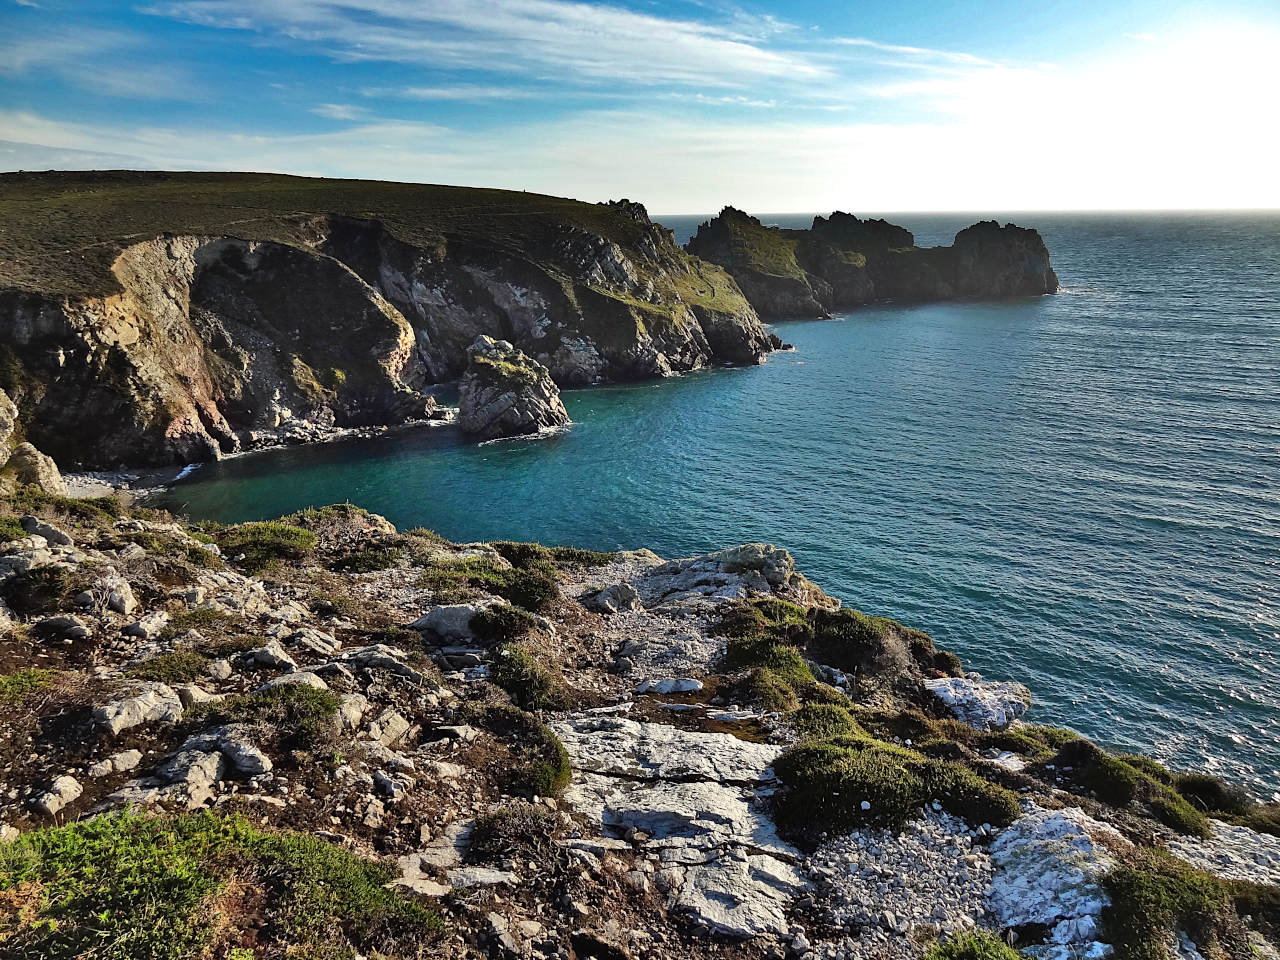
530, 685
822, 721
132, 887
266, 544
502, 623
979, 945
368, 560
180, 666
17, 689
11, 529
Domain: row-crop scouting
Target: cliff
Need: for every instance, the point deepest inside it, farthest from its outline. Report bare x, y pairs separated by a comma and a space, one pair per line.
154, 318
322, 737
843, 262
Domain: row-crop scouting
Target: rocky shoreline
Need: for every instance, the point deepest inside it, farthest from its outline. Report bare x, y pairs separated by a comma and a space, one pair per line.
542, 753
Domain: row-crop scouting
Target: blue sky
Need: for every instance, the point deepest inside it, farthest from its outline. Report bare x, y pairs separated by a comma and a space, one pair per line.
685, 105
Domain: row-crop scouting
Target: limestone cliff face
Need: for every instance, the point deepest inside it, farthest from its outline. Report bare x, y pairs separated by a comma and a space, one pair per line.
843, 262
211, 343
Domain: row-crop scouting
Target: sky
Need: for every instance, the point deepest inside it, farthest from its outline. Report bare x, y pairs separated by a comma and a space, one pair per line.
686, 105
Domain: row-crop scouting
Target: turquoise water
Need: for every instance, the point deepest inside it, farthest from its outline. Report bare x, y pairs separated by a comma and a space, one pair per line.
1081, 492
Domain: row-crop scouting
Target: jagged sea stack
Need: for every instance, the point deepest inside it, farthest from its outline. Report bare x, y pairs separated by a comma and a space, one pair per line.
506, 393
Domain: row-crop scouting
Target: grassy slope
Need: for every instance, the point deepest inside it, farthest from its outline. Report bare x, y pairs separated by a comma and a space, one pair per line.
60, 232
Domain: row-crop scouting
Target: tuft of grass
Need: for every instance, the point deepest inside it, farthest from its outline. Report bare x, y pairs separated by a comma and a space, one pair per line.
11, 529
784, 662
127, 886
578, 557
16, 689
978, 945
196, 619
302, 716
180, 666
766, 690
530, 685
266, 544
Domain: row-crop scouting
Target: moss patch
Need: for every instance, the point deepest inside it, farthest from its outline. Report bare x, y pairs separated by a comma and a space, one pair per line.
979, 945
17, 689
180, 666
260, 546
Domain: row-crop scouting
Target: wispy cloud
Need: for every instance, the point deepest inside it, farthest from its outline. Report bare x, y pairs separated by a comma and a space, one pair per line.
580, 40
98, 61
27, 3
457, 91
338, 111
919, 54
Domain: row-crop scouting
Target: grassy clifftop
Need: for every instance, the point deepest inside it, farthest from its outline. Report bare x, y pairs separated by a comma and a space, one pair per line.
60, 232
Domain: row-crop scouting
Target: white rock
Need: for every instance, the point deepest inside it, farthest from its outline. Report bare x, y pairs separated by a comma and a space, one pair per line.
157, 702
65, 790
982, 704
1232, 853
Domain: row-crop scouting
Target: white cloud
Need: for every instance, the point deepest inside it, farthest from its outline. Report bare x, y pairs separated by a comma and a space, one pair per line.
27, 3
457, 91
99, 61
338, 111
582, 40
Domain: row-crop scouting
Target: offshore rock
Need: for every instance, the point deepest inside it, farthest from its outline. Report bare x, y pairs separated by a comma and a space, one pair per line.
506, 393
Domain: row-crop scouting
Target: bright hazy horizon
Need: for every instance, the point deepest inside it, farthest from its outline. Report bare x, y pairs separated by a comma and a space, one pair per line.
686, 106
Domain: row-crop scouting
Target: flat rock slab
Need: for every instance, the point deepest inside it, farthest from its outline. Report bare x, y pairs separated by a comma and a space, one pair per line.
691, 795
1232, 853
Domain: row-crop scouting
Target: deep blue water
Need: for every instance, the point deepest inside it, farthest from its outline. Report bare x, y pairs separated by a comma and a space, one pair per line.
1079, 491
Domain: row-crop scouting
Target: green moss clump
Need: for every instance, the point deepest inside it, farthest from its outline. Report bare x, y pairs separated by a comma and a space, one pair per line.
530, 685
17, 689
978, 945
502, 623
368, 560
822, 721
827, 783
264, 545
180, 666
578, 557
1156, 895
459, 580
11, 529
783, 661
766, 690
539, 762
302, 717
127, 886
1208, 792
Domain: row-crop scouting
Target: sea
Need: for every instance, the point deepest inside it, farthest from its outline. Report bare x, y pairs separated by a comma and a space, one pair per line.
1080, 492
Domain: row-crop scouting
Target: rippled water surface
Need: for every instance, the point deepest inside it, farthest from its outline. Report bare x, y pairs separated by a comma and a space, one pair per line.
1080, 491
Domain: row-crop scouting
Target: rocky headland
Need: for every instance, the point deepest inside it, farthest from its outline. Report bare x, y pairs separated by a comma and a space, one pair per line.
506, 393
843, 262
323, 737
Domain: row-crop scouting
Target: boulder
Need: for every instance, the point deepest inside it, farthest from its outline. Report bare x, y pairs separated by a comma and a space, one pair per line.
506, 393
8, 421
614, 599
982, 704
65, 790
157, 702
449, 622
35, 527
32, 467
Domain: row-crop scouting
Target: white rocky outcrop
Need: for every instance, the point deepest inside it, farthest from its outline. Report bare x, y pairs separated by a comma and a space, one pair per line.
982, 704
691, 797
1049, 865
156, 703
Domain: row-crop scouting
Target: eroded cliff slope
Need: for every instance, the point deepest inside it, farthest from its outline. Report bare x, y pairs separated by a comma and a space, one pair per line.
164, 318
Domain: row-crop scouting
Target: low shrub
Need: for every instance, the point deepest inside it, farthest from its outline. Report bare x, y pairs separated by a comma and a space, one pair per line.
180, 666
978, 945
523, 829
783, 661
1176, 813
1156, 895
1093, 770
1211, 793
42, 589
301, 716
127, 886
540, 764
261, 546
32, 499
502, 623
459, 580
828, 782
11, 529
199, 618
368, 560
577, 557
530, 685
765, 689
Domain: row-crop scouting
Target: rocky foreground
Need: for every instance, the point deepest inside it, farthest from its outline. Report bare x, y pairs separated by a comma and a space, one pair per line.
322, 737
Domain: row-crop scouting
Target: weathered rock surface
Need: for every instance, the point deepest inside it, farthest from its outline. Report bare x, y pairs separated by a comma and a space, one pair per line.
1048, 868
1232, 853
505, 393
156, 703
843, 262
982, 704
32, 467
